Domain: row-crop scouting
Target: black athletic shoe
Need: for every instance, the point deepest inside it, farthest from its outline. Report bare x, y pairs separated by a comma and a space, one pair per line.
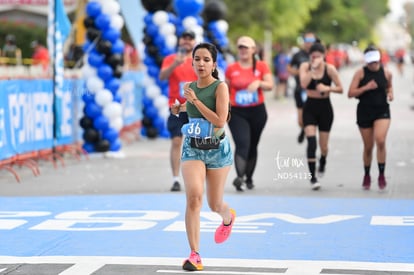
249, 184
301, 136
315, 185
176, 187
238, 184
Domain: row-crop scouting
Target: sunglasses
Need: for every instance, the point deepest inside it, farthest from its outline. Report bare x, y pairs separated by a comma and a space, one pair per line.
241, 47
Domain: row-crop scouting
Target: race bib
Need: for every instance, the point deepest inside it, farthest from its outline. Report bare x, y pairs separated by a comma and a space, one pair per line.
244, 97
181, 87
198, 128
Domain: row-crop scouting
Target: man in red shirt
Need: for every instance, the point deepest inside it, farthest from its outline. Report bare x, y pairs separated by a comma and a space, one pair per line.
177, 68
40, 55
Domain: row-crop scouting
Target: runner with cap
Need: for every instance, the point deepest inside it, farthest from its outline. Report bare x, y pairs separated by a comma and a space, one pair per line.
247, 79
372, 85
178, 69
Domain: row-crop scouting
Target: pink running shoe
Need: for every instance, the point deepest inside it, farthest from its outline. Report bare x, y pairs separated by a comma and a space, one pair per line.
366, 183
382, 183
223, 231
193, 263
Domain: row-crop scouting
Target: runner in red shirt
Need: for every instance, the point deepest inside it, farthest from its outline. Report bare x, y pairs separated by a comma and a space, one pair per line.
247, 78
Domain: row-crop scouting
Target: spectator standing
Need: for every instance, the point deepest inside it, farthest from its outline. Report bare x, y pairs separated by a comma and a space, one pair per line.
11, 51
40, 55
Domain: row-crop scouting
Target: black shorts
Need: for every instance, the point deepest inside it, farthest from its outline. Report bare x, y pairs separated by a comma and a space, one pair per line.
299, 98
175, 123
367, 114
318, 112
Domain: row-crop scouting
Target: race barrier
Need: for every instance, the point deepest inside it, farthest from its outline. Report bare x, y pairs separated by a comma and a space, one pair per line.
28, 110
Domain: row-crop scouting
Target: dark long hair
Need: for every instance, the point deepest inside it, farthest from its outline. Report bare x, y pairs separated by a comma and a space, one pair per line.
213, 50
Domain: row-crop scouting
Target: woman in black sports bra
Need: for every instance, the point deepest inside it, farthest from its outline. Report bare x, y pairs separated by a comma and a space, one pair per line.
317, 76
372, 86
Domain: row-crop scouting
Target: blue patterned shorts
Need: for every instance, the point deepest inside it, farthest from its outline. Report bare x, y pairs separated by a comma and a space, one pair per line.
213, 159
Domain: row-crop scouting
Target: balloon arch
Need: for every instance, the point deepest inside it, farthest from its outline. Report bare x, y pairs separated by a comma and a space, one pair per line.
164, 22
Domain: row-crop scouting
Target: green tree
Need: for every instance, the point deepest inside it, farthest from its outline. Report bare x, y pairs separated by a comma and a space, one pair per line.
347, 20
332, 20
284, 18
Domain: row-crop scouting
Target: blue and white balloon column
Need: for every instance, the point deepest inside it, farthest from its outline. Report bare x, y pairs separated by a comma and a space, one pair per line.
103, 67
216, 28
160, 38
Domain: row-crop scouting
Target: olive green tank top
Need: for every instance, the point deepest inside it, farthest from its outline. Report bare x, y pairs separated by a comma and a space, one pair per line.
207, 95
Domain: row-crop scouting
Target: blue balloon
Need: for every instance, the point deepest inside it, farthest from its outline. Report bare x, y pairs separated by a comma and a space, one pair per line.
111, 35
93, 110
88, 147
149, 61
165, 133
153, 71
105, 72
186, 8
103, 21
159, 41
118, 46
88, 97
115, 145
93, 9
112, 84
110, 134
143, 131
95, 59
117, 98
101, 122
148, 18
152, 30
147, 102
158, 123
151, 112
173, 19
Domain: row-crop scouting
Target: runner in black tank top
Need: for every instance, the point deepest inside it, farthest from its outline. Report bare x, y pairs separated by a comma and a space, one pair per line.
372, 85
316, 76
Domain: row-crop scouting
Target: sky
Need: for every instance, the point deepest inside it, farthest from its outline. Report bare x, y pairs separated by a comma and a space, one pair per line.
397, 8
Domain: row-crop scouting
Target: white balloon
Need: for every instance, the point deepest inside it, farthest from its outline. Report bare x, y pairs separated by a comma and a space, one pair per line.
198, 30
110, 7
222, 26
147, 81
189, 22
88, 71
112, 110
160, 102
116, 123
103, 97
94, 84
171, 41
167, 28
153, 91
160, 17
165, 113
117, 21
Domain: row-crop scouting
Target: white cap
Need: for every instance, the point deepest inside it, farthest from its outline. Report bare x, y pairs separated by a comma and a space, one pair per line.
372, 56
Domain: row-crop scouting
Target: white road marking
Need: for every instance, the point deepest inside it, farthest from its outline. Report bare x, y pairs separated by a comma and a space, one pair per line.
89, 264
217, 272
